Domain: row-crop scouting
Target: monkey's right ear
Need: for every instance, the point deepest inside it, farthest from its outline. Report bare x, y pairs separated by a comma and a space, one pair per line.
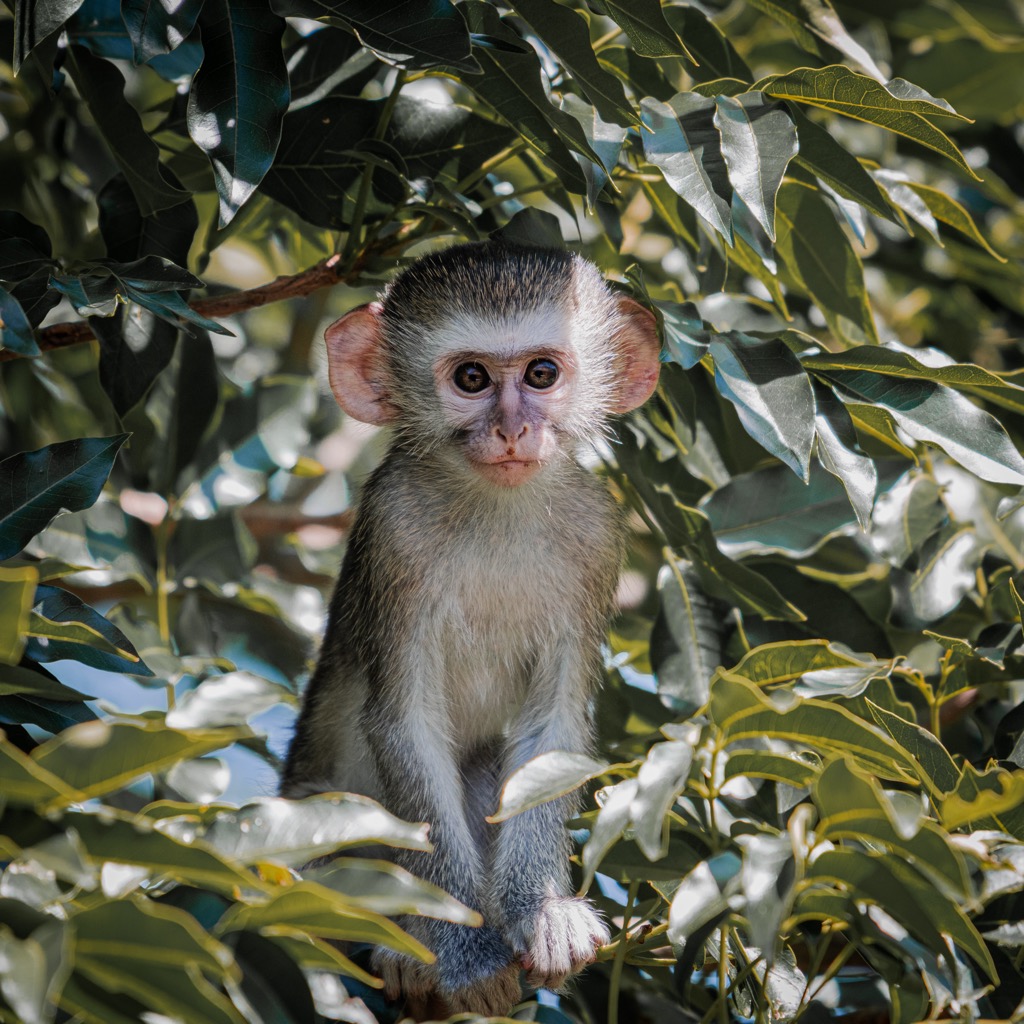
356, 365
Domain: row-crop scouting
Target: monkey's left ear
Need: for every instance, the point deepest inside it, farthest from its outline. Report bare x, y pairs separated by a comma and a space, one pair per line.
637, 351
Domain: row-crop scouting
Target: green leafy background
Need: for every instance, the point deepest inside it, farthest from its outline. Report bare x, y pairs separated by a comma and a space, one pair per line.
808, 798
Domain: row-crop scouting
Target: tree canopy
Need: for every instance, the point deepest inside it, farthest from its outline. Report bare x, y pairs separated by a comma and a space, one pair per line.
809, 799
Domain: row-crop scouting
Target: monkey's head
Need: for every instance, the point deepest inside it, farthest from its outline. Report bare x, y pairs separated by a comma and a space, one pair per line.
499, 357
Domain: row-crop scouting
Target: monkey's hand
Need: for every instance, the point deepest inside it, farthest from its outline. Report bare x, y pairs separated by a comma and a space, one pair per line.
475, 972
556, 940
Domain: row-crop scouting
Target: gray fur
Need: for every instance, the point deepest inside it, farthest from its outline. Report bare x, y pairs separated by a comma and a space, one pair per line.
464, 635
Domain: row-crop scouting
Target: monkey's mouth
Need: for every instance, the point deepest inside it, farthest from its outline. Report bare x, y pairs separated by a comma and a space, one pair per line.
509, 471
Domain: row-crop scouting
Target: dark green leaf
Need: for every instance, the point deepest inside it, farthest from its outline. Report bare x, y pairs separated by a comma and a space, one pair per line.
36, 486
936, 769
835, 165
568, 34
905, 516
409, 33
840, 453
820, 256
101, 85
156, 27
135, 346
512, 85
644, 22
272, 982
686, 639
685, 144
771, 392
129, 236
810, 20
689, 532
842, 91
239, 96
939, 415
758, 141
34, 20
946, 571
714, 54
15, 328
62, 606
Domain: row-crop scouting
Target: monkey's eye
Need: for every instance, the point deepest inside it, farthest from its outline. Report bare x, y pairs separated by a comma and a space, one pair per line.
541, 373
471, 378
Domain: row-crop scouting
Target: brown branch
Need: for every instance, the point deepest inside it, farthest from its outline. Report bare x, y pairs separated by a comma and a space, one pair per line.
323, 275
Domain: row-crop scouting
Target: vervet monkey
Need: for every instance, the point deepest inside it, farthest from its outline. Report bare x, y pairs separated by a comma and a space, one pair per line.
464, 636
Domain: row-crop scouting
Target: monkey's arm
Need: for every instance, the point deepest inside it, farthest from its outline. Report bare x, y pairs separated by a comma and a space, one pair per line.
554, 932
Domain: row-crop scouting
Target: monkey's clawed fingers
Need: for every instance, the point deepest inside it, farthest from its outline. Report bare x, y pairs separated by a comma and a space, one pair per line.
558, 940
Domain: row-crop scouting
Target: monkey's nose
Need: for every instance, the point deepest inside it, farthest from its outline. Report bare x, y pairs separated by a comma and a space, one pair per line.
510, 434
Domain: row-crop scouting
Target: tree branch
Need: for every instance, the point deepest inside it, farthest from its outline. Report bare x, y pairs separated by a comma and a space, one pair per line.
323, 275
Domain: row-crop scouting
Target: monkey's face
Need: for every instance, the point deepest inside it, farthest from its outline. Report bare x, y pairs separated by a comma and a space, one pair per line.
505, 404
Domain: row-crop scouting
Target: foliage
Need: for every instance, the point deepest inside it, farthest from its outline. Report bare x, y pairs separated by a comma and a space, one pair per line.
810, 797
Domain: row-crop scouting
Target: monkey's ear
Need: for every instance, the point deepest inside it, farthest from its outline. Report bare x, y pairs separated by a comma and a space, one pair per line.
637, 349
356, 367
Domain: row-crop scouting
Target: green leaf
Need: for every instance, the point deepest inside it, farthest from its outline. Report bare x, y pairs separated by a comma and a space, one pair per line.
36, 486
835, 165
15, 328
385, 888
701, 897
156, 28
546, 777
772, 510
991, 799
408, 33
604, 138
645, 24
135, 347
295, 832
101, 85
34, 20
893, 360
820, 256
842, 91
796, 769
230, 699
129, 236
684, 143
710, 48
840, 453
741, 711
239, 96
689, 532
17, 593
120, 838
771, 392
758, 141
19, 679
140, 948
777, 663
687, 638
853, 806
905, 516
512, 85
936, 769
105, 755
567, 32
27, 783
811, 20
945, 573
74, 630
932, 412
611, 821
907, 896
660, 779
324, 913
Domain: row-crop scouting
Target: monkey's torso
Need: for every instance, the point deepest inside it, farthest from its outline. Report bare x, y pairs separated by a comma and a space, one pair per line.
494, 595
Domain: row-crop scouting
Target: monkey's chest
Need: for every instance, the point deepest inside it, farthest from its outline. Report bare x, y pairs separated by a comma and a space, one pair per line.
498, 619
